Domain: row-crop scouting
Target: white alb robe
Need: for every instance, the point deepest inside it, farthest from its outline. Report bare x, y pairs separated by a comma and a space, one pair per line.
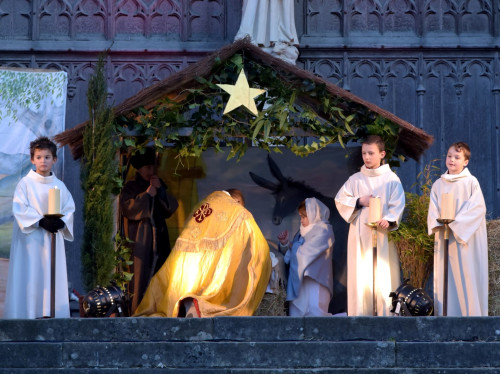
467, 246
28, 282
382, 182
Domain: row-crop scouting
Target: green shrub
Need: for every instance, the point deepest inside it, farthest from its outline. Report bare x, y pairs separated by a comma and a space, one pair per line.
98, 169
415, 247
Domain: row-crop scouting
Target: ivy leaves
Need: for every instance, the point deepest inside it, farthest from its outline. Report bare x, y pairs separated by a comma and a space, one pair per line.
291, 109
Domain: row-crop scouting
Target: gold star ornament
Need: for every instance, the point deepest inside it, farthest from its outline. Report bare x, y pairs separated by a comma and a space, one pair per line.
241, 94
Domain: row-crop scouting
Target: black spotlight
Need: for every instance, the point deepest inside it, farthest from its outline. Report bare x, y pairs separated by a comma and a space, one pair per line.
104, 301
410, 301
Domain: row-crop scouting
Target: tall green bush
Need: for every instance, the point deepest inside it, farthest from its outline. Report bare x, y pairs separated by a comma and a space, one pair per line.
415, 247
98, 169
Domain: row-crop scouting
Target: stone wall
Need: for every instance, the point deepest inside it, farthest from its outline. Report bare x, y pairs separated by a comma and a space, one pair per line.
228, 345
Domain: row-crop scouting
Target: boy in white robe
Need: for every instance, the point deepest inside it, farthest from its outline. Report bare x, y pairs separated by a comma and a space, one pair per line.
29, 278
468, 243
374, 180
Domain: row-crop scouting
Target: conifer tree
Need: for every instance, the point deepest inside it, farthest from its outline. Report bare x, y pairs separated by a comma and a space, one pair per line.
97, 171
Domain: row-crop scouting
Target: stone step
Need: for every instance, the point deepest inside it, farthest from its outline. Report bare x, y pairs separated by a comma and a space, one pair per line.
258, 371
252, 345
429, 329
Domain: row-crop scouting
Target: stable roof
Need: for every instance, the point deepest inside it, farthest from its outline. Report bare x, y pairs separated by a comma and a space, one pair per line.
412, 140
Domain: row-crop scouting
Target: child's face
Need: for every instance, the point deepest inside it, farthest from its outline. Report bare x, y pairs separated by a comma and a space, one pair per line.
372, 156
455, 161
43, 161
304, 221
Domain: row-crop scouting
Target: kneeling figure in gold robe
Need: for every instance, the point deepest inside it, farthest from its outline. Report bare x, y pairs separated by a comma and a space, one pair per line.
220, 261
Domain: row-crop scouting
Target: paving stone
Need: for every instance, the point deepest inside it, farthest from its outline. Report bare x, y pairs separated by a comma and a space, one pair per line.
230, 355
448, 354
259, 328
436, 329
30, 355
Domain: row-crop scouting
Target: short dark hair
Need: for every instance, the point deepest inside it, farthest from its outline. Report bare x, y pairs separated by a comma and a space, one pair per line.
462, 147
236, 194
43, 143
375, 139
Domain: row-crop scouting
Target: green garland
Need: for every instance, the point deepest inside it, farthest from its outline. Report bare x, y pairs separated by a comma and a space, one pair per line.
286, 113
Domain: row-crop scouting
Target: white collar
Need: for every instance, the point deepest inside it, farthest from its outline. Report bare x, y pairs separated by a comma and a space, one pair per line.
40, 178
454, 177
382, 169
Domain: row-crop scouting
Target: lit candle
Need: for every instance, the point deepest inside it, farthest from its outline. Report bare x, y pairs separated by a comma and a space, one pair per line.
374, 210
447, 206
54, 201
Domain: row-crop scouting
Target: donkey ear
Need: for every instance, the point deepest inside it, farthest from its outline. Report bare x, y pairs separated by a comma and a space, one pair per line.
263, 182
275, 170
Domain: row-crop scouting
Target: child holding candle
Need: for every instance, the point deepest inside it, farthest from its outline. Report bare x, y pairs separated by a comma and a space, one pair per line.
457, 195
374, 193
29, 278
310, 279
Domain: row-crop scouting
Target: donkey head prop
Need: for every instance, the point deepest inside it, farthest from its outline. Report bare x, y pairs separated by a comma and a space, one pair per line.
287, 192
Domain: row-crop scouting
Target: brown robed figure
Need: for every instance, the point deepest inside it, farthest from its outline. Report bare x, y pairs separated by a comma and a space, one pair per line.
145, 204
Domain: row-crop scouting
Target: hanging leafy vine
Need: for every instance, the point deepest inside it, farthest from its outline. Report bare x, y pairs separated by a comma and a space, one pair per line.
291, 108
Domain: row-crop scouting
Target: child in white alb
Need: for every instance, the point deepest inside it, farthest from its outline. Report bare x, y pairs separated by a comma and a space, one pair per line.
468, 243
353, 199
29, 280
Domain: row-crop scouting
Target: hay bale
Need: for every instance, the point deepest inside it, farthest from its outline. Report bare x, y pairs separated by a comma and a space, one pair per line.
493, 228
272, 304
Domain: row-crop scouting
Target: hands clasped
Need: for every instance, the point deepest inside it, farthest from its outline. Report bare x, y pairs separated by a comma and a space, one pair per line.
51, 224
154, 185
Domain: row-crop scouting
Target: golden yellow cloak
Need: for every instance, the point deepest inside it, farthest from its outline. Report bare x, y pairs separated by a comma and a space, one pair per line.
221, 259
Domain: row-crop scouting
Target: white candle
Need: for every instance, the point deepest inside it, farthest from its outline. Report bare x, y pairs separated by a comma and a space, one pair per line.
374, 210
447, 206
54, 201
